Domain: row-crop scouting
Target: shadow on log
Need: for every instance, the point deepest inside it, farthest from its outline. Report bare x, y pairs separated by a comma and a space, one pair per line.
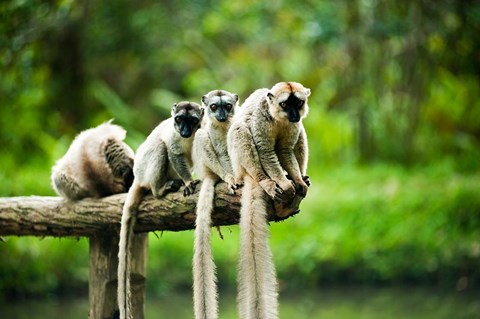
54, 216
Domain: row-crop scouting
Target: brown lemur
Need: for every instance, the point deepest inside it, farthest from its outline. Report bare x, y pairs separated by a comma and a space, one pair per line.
212, 165
165, 156
98, 163
266, 141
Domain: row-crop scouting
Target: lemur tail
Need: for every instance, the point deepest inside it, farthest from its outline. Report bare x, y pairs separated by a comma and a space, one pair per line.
129, 218
205, 295
257, 285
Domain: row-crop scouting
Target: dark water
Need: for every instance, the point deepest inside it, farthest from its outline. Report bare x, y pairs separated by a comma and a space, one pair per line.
338, 303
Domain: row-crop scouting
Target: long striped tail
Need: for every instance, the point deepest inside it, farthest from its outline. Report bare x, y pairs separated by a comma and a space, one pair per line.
129, 218
257, 285
205, 295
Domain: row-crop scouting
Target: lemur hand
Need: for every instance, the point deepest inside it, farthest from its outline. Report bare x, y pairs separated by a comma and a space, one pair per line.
190, 187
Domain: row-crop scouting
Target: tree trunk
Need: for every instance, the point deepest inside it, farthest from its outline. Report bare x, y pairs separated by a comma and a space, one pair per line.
102, 290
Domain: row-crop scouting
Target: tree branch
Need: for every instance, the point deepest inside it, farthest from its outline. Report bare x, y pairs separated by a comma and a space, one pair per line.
54, 216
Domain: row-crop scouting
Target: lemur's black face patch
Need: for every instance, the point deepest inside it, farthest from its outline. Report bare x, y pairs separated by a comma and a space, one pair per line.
186, 124
187, 118
292, 107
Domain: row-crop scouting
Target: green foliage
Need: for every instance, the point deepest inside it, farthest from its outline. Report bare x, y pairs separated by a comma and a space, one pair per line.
39, 266
386, 224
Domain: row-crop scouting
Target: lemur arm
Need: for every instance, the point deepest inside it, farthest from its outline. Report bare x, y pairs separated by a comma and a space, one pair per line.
301, 151
179, 163
287, 155
270, 160
289, 158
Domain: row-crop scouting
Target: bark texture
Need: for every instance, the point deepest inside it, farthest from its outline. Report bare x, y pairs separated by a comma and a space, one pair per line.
54, 216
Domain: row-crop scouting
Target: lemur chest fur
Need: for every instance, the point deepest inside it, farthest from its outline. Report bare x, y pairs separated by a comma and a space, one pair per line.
218, 138
185, 147
277, 133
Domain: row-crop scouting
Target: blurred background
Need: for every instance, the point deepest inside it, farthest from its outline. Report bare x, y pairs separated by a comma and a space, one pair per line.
391, 225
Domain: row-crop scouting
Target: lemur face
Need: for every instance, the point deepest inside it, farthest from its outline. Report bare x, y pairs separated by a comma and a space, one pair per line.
288, 100
187, 117
220, 105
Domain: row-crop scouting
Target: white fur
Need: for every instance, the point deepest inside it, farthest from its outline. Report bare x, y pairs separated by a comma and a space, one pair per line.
205, 293
129, 217
258, 289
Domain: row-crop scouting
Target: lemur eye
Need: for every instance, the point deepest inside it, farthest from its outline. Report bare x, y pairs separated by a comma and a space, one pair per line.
178, 119
283, 104
194, 120
228, 106
300, 103
213, 107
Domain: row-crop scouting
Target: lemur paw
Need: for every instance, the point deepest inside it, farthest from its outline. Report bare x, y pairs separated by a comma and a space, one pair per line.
306, 179
173, 185
288, 189
232, 186
238, 182
272, 189
301, 188
190, 187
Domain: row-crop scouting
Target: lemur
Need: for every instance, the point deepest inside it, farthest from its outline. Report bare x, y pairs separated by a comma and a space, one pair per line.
212, 165
164, 157
98, 163
266, 141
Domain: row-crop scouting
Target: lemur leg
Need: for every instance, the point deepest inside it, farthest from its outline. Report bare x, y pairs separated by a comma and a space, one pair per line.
67, 186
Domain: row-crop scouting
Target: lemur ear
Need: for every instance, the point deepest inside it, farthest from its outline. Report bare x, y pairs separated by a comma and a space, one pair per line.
235, 97
307, 91
204, 99
270, 96
174, 109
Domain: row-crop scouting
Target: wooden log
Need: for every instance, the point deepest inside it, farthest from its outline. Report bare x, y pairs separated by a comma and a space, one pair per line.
102, 290
54, 216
